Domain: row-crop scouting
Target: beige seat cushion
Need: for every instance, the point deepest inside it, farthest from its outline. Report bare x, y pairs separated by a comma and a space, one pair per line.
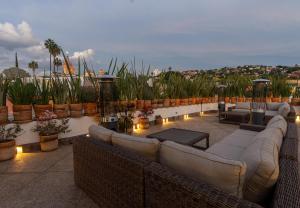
278, 122
101, 133
273, 106
284, 109
271, 113
232, 146
242, 105
261, 158
241, 110
143, 146
228, 175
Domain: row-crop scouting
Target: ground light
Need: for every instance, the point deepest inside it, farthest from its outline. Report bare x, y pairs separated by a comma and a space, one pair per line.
298, 118
136, 127
19, 149
165, 120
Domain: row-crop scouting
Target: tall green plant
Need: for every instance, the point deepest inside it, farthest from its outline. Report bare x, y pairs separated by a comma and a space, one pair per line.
59, 90
21, 93
42, 91
4, 83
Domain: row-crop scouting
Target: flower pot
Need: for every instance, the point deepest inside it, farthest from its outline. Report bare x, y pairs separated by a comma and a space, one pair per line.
158, 120
194, 101
90, 109
3, 115
205, 100
184, 101
144, 123
123, 103
7, 149
233, 99
76, 110
227, 100
61, 110
167, 102
285, 99
268, 100
140, 104
248, 99
132, 105
160, 103
49, 143
276, 99
296, 101
40, 109
147, 104
154, 103
177, 102
190, 101
241, 99
22, 113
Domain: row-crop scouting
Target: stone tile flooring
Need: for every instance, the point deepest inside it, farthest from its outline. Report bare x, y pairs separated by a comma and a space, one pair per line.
46, 179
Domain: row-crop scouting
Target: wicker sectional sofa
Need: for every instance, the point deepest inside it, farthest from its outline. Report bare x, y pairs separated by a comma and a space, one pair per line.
117, 177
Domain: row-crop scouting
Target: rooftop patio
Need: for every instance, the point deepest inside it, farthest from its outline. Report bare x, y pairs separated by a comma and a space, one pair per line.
46, 179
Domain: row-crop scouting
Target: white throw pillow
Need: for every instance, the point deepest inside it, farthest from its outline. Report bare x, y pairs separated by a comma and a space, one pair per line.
262, 162
243, 105
101, 133
284, 109
278, 122
144, 146
273, 106
226, 174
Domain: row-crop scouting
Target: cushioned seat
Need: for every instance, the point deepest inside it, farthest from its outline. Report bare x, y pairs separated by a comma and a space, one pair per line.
271, 113
241, 110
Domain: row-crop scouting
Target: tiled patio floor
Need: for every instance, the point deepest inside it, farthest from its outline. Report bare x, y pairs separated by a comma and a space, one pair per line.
46, 179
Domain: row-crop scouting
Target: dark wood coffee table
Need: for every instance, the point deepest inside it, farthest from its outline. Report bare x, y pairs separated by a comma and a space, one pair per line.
234, 117
182, 136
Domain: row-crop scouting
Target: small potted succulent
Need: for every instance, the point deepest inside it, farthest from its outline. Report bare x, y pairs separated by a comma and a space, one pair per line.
49, 127
8, 133
143, 117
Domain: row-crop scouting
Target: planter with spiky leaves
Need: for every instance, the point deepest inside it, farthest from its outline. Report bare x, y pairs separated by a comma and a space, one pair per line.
59, 93
4, 83
42, 96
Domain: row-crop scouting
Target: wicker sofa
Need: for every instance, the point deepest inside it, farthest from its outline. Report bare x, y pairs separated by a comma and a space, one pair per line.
115, 177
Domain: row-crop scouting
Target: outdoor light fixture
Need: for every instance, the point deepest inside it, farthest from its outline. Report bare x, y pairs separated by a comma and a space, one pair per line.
87, 135
186, 116
298, 118
19, 149
165, 120
201, 113
136, 127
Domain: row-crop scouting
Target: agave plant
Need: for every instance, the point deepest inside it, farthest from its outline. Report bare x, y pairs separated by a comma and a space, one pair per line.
43, 93
59, 90
4, 83
280, 87
21, 93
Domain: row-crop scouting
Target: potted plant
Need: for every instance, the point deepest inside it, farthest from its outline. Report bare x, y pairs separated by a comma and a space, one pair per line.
158, 120
59, 93
143, 117
125, 122
8, 133
49, 127
42, 96
75, 96
296, 97
89, 99
21, 94
4, 83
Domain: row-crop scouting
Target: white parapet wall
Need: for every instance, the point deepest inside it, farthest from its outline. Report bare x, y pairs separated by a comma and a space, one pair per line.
80, 126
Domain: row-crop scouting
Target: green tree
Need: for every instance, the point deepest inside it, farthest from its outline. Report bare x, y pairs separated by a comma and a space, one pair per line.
53, 49
33, 65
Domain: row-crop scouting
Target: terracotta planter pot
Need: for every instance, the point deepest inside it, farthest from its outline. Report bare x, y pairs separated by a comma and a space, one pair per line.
160, 103
167, 102
3, 115
205, 100
233, 100
173, 102
241, 99
132, 104
49, 143
147, 104
123, 103
22, 113
7, 150
76, 110
285, 99
90, 109
140, 104
61, 110
144, 123
190, 101
227, 100
268, 100
184, 101
296, 101
276, 99
154, 103
39, 109
177, 102
249, 100
194, 101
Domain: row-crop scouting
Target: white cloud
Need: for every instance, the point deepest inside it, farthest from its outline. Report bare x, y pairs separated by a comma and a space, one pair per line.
19, 36
84, 54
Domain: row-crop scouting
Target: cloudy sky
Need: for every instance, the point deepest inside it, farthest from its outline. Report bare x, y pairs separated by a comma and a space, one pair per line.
177, 33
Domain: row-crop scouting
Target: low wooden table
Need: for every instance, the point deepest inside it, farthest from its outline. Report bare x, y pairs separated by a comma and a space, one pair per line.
182, 136
234, 117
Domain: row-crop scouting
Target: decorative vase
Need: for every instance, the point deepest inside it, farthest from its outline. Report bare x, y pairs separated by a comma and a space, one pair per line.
22, 113
40, 109
7, 149
76, 110
61, 110
49, 143
3, 115
90, 109
144, 123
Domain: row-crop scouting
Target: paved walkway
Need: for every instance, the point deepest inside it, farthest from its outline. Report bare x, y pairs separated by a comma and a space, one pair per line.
45, 180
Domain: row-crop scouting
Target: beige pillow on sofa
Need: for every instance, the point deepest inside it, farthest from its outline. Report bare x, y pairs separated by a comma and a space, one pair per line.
242, 105
143, 146
278, 122
226, 174
273, 106
101, 133
261, 158
284, 109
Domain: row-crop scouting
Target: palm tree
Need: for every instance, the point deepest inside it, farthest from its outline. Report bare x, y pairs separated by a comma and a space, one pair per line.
52, 48
57, 62
33, 65
55, 53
